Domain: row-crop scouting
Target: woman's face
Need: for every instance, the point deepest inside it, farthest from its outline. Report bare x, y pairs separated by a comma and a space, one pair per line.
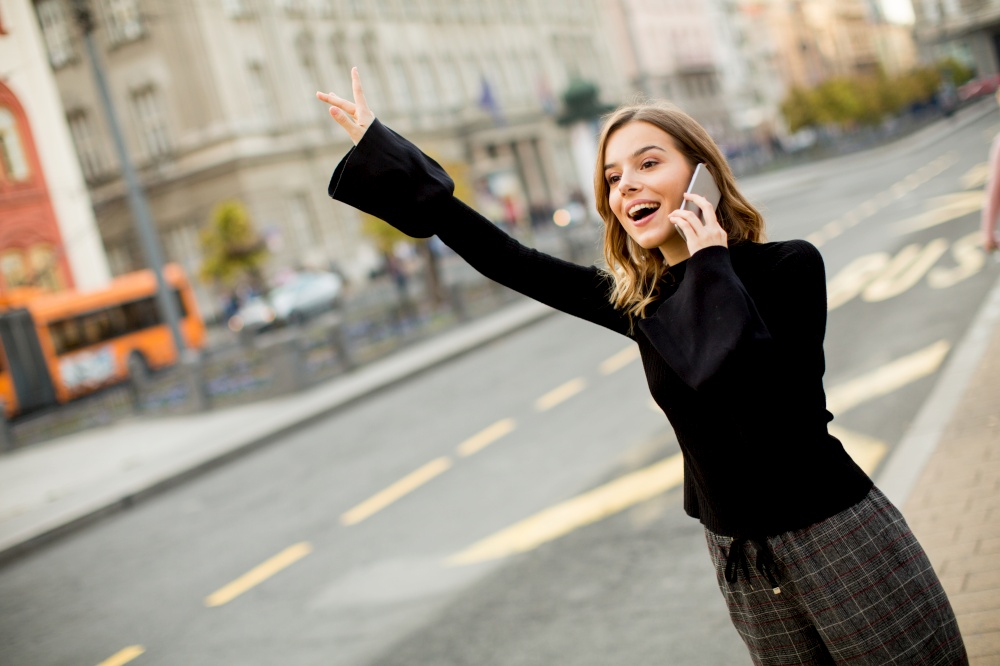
646, 177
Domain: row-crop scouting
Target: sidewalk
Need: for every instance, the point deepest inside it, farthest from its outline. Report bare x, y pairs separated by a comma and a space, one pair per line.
954, 508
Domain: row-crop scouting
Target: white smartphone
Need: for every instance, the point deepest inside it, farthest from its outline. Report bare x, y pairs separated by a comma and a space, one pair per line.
701, 183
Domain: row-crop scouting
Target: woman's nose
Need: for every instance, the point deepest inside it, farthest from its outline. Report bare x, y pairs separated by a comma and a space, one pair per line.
626, 185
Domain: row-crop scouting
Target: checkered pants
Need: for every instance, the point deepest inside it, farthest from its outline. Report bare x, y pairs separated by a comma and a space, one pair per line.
856, 588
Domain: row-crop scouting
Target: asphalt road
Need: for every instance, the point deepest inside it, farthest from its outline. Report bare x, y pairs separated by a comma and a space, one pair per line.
338, 545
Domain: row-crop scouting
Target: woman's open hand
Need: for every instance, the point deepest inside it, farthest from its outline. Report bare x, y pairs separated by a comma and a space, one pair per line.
699, 235
355, 117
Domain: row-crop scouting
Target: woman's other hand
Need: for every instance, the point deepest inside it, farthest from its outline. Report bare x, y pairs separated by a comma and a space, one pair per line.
698, 235
355, 117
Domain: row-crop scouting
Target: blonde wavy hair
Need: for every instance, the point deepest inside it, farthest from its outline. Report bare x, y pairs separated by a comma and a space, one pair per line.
637, 272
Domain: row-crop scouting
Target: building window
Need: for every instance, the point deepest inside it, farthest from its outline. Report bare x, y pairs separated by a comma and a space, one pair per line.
261, 95
147, 108
293, 7
402, 90
55, 31
123, 20
13, 161
236, 9
88, 147
341, 75
427, 85
357, 8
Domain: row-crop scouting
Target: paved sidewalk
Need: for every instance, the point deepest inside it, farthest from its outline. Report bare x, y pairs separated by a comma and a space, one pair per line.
51, 488
954, 509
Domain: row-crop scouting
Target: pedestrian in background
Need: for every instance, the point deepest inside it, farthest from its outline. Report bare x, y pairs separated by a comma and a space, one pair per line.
991, 206
730, 330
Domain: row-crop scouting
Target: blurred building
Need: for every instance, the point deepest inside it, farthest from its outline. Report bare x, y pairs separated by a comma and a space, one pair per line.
48, 237
216, 98
968, 30
730, 63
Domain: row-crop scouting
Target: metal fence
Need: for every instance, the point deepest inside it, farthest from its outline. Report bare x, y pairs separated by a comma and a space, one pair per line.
371, 324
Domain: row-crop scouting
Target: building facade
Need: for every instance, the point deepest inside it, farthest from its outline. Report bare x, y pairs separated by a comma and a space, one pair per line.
48, 236
968, 30
216, 98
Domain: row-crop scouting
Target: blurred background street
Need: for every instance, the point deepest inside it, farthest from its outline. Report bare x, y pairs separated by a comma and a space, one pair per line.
516, 504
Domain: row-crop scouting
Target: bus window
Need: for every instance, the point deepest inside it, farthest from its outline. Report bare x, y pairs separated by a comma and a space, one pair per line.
141, 314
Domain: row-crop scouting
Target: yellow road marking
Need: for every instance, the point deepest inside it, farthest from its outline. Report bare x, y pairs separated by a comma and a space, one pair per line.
123, 656
560, 394
836, 227
890, 377
486, 437
572, 514
854, 277
619, 360
943, 209
258, 574
905, 270
970, 258
976, 176
866, 451
404, 486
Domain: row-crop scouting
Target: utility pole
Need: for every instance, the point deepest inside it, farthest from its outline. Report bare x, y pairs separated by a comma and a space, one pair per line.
136, 197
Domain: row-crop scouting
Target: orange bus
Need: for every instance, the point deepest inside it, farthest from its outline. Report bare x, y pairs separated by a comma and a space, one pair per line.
55, 347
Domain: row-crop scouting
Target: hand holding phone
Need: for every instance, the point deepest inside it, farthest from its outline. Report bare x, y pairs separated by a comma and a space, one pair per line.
701, 183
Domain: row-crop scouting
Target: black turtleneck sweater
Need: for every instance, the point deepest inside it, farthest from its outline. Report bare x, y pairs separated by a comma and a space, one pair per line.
732, 348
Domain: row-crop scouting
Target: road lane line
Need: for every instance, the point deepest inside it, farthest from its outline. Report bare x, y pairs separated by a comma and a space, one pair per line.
866, 451
403, 487
572, 514
619, 360
123, 656
258, 574
560, 394
890, 377
485, 437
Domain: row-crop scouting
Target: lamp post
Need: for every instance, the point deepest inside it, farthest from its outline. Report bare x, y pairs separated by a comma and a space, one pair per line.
136, 197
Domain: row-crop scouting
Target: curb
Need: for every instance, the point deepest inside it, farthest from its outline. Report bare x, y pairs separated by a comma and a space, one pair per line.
359, 384
902, 470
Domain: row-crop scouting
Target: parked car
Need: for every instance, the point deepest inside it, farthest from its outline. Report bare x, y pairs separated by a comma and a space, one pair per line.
979, 87
303, 296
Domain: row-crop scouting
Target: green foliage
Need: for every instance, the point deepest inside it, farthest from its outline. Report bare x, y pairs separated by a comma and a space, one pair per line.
865, 100
232, 249
954, 71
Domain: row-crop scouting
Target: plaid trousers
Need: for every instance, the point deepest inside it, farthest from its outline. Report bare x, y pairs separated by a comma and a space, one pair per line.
856, 588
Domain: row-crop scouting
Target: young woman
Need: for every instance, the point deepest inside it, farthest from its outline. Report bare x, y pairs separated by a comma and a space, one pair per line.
730, 330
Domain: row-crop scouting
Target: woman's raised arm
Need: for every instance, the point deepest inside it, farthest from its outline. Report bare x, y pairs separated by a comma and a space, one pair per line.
388, 177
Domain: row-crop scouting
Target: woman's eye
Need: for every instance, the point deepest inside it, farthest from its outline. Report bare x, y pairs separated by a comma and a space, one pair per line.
648, 163
612, 179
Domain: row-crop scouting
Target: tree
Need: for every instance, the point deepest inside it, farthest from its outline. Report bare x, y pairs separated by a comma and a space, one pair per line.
232, 249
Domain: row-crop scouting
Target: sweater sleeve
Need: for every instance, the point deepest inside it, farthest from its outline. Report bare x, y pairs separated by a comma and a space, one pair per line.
708, 323
388, 177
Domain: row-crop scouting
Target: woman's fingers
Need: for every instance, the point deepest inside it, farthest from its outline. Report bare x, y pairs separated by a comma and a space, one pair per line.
363, 114
355, 117
707, 209
337, 101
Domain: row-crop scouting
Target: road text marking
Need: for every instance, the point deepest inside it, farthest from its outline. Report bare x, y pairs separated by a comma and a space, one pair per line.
890, 377
619, 360
560, 394
404, 486
123, 656
258, 574
485, 437
572, 514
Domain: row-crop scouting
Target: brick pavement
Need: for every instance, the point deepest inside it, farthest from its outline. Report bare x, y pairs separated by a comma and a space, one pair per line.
954, 510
